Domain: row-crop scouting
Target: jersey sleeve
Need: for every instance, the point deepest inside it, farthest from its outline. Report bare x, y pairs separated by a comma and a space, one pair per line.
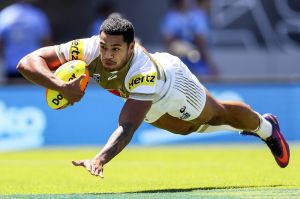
141, 81
80, 49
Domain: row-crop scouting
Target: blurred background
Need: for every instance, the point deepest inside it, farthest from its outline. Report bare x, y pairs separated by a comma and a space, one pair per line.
244, 50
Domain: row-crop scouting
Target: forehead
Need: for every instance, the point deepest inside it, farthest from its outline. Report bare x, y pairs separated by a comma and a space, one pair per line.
111, 39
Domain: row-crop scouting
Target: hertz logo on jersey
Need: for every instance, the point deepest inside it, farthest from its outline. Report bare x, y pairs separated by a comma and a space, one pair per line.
147, 79
76, 50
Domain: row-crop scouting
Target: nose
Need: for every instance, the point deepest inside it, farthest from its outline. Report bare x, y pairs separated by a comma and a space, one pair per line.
108, 54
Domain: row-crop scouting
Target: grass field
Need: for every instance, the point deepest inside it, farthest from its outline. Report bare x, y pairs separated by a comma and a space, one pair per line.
209, 171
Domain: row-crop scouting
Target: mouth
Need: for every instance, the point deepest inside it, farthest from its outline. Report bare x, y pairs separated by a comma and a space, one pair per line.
108, 63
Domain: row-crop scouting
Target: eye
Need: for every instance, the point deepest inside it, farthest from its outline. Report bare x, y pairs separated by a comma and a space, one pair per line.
103, 47
116, 49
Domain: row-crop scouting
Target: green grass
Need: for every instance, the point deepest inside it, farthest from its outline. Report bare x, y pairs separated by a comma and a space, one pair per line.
210, 171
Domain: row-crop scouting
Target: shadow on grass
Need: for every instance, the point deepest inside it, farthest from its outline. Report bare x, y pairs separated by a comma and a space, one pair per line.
195, 189
162, 193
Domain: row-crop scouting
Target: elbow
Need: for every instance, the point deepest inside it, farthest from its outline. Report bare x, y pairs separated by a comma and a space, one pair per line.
21, 66
128, 131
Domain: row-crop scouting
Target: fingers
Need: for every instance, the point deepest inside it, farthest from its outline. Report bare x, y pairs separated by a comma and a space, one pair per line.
94, 168
97, 170
75, 92
78, 79
78, 163
82, 76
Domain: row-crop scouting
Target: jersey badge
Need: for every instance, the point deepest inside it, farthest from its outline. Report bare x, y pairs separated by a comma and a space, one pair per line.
97, 77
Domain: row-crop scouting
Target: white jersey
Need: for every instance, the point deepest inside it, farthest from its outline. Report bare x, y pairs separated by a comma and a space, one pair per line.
160, 77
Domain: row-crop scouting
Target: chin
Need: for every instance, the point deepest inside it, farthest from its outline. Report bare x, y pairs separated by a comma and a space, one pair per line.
111, 68
108, 68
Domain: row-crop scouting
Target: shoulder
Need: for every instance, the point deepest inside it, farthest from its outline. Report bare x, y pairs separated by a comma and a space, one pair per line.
141, 62
86, 49
142, 75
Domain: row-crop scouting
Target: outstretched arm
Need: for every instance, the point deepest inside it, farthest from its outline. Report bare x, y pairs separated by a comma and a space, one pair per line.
130, 119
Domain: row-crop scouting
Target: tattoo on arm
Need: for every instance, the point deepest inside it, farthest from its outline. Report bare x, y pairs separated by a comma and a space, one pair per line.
117, 142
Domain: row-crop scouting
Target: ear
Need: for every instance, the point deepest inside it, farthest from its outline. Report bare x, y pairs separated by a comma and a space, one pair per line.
131, 45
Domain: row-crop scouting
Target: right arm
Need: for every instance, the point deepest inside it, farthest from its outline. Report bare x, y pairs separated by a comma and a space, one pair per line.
37, 67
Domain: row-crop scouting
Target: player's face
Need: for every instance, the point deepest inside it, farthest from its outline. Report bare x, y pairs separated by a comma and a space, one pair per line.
114, 51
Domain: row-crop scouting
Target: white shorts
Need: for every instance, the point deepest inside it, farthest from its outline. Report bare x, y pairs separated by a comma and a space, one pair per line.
185, 98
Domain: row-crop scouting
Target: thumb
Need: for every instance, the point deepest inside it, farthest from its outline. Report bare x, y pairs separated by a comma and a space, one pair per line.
81, 76
78, 79
78, 162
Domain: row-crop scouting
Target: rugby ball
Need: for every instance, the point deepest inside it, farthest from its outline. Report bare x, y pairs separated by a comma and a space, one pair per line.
67, 72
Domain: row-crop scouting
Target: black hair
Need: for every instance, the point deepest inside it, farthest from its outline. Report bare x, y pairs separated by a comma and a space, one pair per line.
118, 26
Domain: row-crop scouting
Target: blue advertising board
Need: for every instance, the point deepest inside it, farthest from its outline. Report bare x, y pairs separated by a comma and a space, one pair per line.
27, 122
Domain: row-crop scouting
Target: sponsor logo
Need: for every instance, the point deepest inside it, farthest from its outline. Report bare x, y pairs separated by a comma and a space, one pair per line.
76, 50
57, 100
148, 79
73, 76
21, 127
112, 77
182, 109
59, 97
184, 114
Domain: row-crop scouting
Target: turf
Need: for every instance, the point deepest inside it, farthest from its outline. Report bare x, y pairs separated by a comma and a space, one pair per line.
210, 171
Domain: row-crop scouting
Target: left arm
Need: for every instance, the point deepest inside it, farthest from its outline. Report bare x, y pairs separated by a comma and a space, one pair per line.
131, 117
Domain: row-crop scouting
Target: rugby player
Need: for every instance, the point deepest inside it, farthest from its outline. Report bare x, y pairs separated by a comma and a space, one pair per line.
158, 89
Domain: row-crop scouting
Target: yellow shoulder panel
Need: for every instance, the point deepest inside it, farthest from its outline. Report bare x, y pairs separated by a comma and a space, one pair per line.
76, 50
147, 79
